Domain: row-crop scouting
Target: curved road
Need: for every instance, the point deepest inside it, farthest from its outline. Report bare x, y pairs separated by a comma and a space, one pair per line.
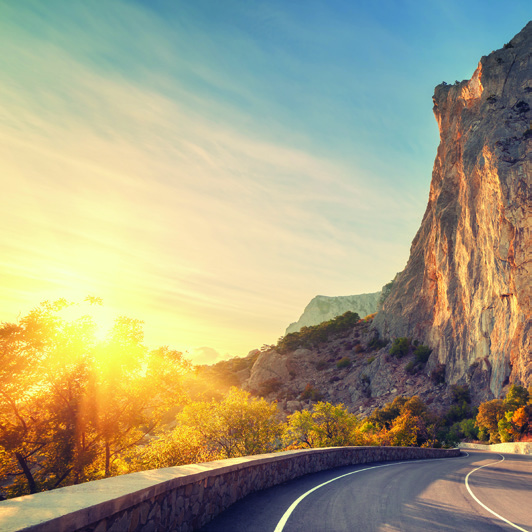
478, 491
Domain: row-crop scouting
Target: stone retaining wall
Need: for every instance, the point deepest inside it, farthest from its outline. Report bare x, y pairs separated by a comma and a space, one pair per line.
511, 447
181, 498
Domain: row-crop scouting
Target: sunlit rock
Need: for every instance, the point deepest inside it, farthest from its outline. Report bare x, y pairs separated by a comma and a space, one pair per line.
324, 308
466, 289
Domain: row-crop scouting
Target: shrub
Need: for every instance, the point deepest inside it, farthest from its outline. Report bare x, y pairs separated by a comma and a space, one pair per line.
370, 360
377, 343
400, 347
344, 362
310, 393
422, 354
411, 367
312, 336
460, 394
321, 365
437, 375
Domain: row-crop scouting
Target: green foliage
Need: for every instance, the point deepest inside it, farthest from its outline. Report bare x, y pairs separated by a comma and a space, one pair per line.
383, 417
400, 347
460, 394
344, 362
516, 397
377, 343
326, 425
309, 337
489, 414
506, 420
422, 354
411, 367
238, 425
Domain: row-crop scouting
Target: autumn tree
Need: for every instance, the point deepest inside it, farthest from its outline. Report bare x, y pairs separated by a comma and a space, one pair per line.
71, 405
327, 425
238, 425
489, 414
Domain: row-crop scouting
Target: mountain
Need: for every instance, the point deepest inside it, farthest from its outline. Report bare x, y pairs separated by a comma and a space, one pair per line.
324, 308
466, 289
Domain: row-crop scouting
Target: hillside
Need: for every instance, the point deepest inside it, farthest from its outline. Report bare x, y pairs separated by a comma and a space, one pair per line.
465, 291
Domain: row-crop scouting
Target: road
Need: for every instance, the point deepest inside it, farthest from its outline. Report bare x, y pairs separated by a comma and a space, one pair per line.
479, 491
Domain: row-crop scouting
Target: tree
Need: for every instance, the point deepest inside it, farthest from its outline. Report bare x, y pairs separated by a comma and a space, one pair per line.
327, 425
238, 425
516, 397
41, 380
406, 431
71, 406
300, 430
489, 414
333, 425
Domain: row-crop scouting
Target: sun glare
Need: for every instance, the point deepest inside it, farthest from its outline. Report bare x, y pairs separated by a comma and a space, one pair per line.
102, 317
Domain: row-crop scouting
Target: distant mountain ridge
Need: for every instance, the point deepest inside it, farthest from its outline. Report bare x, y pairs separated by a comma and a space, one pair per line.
325, 308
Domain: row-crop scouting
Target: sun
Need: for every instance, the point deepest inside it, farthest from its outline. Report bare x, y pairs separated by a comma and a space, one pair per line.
103, 317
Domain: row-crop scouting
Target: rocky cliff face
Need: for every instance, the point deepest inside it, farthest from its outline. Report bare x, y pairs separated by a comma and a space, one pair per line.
324, 308
466, 290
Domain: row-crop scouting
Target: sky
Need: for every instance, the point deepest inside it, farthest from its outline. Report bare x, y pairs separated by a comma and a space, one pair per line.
209, 167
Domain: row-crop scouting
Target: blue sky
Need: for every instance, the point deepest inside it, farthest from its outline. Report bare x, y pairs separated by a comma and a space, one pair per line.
208, 166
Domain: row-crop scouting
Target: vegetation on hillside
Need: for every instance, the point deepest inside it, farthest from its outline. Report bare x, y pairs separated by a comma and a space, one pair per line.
75, 408
309, 337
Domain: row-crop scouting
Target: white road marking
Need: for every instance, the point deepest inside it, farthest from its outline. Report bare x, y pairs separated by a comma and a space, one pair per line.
482, 504
281, 524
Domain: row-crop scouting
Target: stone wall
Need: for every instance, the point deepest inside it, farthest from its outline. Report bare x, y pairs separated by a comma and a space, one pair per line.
510, 447
181, 498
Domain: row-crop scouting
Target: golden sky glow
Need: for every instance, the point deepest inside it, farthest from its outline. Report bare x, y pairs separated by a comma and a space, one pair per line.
186, 171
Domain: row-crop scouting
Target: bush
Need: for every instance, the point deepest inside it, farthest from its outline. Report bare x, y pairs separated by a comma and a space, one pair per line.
460, 394
411, 367
344, 362
377, 343
437, 375
321, 365
400, 347
310, 393
309, 337
422, 354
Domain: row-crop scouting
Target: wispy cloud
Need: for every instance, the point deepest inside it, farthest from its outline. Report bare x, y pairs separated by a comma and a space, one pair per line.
201, 173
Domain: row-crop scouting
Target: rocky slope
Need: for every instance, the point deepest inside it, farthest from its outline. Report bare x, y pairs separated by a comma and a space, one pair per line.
466, 289
351, 367
324, 308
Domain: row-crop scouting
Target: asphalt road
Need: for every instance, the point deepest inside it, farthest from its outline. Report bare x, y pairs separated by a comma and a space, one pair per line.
427, 495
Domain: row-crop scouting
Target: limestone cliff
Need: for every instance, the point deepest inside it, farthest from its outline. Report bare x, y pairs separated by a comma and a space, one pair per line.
466, 289
324, 308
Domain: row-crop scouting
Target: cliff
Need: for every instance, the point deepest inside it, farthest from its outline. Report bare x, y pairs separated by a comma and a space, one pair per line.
324, 308
466, 289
